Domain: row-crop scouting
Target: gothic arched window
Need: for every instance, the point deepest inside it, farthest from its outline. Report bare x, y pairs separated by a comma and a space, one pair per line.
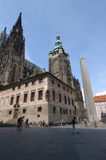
13, 73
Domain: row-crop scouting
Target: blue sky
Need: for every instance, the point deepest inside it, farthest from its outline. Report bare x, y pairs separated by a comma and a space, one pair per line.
81, 25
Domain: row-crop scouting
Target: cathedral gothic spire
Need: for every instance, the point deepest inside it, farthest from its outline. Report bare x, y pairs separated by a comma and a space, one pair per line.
13, 54
18, 23
17, 28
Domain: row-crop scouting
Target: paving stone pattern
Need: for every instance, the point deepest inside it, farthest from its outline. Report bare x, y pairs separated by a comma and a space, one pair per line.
52, 143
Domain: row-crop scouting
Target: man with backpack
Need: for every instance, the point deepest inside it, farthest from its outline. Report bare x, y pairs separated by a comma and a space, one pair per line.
73, 125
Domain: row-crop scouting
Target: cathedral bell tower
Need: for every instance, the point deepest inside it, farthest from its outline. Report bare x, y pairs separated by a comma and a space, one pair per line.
14, 54
59, 64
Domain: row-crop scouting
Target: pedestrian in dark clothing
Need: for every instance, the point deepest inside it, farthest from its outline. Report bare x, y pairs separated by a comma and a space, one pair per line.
43, 123
1, 123
95, 125
22, 122
19, 123
27, 123
73, 125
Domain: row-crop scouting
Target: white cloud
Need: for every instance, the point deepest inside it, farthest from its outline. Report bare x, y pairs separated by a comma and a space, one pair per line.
100, 93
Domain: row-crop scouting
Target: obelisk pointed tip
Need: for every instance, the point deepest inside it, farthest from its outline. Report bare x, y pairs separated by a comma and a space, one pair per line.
82, 57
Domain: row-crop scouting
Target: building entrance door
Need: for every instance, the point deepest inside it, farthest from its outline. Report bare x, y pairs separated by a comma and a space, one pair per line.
16, 113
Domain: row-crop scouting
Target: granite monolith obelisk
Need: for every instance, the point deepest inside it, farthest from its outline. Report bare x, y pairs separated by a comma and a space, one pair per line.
89, 100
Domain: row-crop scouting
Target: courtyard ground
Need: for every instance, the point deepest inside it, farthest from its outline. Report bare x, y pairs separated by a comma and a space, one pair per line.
53, 143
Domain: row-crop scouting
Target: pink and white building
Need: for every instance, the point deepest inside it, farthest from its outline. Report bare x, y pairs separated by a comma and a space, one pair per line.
41, 97
100, 105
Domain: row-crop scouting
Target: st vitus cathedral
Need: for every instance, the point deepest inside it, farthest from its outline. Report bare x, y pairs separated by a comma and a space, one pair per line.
20, 79
13, 65
59, 66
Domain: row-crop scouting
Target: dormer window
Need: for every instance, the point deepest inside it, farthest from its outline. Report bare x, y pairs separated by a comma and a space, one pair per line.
19, 86
40, 80
13, 88
33, 82
26, 84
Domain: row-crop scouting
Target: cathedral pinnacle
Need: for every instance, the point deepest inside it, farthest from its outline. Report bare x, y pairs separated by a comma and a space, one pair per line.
17, 28
18, 23
3, 36
58, 43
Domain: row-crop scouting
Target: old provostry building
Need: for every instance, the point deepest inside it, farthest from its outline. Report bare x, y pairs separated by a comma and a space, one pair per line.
100, 105
29, 91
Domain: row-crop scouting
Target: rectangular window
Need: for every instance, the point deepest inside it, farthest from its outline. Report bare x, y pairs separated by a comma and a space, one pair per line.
33, 82
69, 101
52, 81
32, 96
25, 97
19, 86
59, 85
12, 100
39, 109
53, 95
24, 110
40, 80
40, 95
17, 99
60, 110
54, 109
10, 112
26, 84
59, 97
66, 111
70, 112
13, 88
65, 100
72, 102
63, 111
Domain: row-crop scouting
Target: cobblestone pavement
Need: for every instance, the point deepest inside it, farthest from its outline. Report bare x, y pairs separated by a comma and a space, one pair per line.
53, 143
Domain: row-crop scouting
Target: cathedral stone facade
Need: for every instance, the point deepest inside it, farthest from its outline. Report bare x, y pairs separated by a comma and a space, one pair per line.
13, 65
58, 93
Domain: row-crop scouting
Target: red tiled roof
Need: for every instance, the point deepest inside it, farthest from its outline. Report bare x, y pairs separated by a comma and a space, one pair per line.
101, 98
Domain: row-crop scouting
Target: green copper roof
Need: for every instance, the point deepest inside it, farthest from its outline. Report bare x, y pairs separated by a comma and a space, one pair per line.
58, 43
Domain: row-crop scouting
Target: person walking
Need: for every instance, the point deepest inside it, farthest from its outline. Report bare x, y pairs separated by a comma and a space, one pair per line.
19, 124
85, 121
1, 123
43, 123
95, 125
27, 123
73, 125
